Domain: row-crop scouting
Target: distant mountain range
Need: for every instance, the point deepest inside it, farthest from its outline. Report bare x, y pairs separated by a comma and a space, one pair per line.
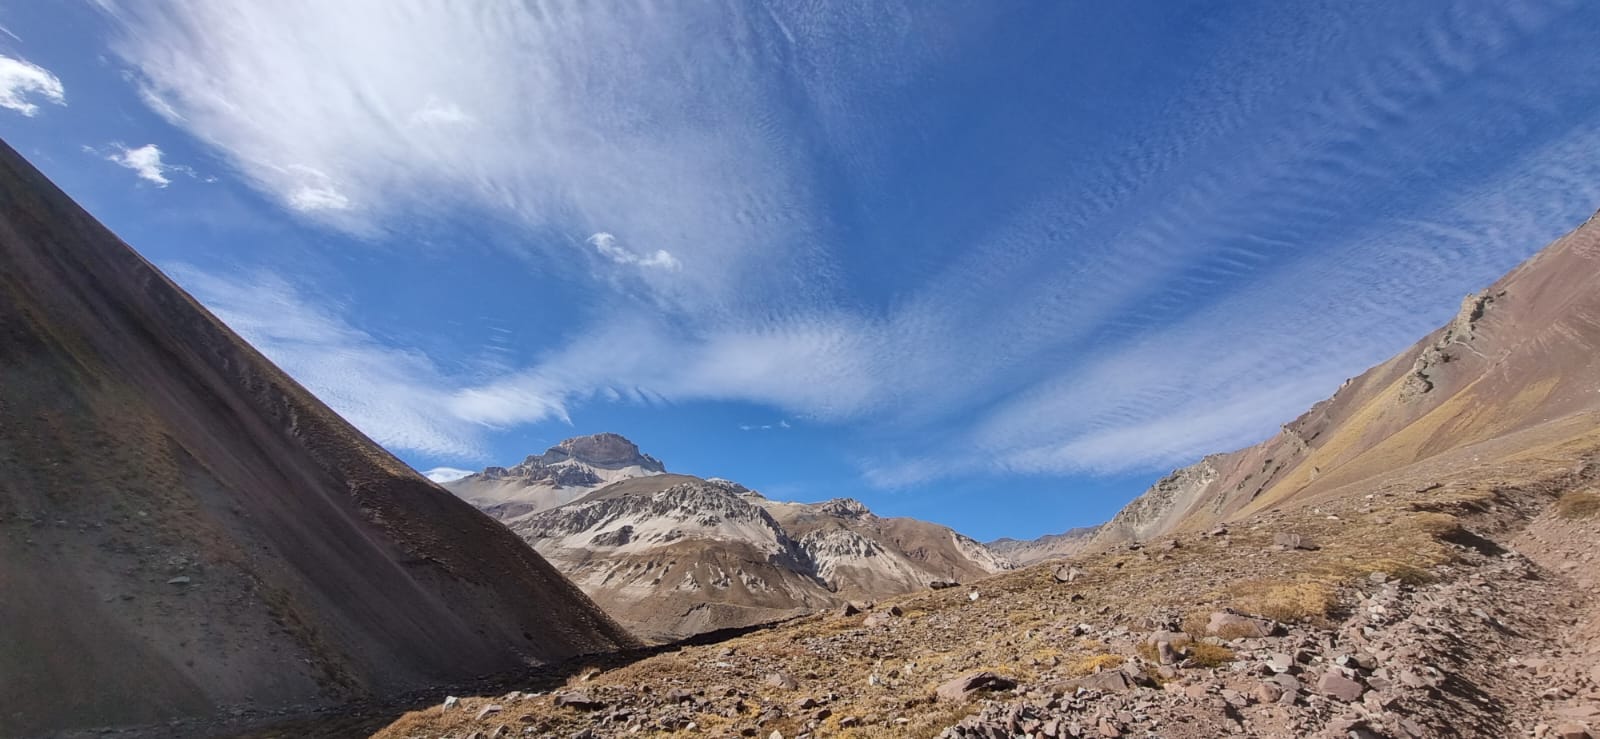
1051, 546
673, 555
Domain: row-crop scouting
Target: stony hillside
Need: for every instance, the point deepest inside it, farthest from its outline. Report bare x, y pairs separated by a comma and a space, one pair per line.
186, 532
564, 473
673, 555
1049, 546
1521, 354
1413, 558
1454, 599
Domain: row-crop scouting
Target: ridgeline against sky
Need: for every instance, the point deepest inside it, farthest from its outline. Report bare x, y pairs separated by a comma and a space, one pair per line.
994, 266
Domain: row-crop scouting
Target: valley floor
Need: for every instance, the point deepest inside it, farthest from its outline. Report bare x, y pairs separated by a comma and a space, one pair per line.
1435, 605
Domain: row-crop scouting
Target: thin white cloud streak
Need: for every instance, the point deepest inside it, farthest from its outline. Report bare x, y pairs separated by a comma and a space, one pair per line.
399, 397
21, 80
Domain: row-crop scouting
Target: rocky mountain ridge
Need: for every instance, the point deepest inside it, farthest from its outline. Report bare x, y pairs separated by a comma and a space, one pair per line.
1050, 546
563, 473
674, 555
1518, 355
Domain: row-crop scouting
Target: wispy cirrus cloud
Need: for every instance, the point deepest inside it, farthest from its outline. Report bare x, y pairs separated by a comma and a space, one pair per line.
396, 395
21, 81
577, 119
1297, 194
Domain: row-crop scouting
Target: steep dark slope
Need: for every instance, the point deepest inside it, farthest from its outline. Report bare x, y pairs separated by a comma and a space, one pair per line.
183, 528
1519, 365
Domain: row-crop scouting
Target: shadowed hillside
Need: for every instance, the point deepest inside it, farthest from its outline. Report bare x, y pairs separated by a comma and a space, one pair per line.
184, 529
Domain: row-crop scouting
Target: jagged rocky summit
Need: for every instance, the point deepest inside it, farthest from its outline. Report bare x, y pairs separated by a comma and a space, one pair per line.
675, 555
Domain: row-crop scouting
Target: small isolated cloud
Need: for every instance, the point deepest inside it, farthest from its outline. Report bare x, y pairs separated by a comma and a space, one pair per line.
607, 245
19, 79
446, 474
781, 424
145, 161
439, 113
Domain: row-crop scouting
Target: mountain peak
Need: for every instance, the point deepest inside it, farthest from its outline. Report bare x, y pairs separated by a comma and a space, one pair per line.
604, 449
563, 473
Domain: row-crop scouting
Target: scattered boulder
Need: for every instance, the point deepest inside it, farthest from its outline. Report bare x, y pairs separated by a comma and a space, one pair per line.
880, 618
1286, 540
1338, 686
1108, 681
450, 702
849, 609
578, 700
489, 710
1236, 626
1175, 637
1573, 731
942, 584
179, 580
1067, 573
782, 681
963, 688
1165, 653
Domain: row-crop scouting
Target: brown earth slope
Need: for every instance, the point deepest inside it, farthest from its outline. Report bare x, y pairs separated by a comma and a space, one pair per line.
1522, 354
184, 529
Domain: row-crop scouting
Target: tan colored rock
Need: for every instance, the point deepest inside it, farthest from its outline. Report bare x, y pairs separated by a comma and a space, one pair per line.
1573, 731
1166, 653
1335, 685
963, 688
782, 681
1235, 626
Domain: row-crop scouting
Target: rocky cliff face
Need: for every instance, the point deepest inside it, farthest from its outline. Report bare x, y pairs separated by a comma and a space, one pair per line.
1517, 361
563, 473
185, 531
673, 555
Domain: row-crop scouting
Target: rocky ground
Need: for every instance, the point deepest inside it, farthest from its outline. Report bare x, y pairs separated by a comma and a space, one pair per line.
1458, 607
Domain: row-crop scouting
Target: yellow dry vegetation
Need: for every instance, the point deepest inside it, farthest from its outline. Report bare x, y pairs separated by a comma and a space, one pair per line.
1097, 662
1585, 504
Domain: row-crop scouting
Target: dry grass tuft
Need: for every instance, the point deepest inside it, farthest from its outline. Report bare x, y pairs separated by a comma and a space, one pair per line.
1584, 504
1095, 663
1204, 655
1287, 601
1209, 655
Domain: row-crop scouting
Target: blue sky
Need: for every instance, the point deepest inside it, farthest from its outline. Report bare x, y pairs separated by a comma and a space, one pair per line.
997, 265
